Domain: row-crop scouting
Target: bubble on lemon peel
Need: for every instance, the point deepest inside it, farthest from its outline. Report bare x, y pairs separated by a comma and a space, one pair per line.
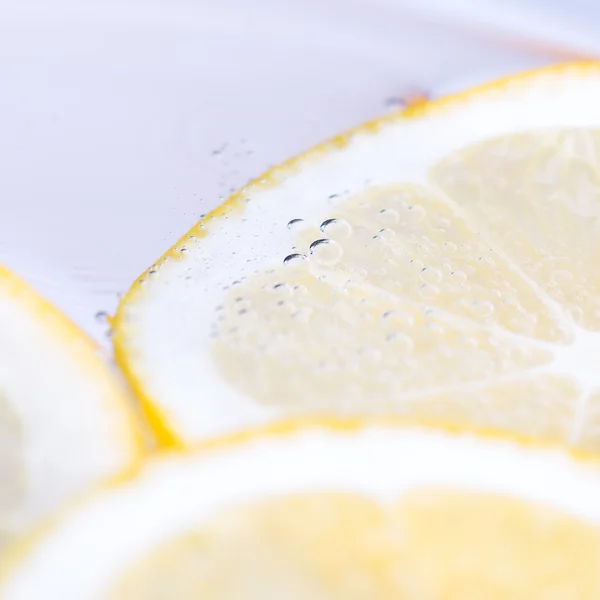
457, 260
365, 340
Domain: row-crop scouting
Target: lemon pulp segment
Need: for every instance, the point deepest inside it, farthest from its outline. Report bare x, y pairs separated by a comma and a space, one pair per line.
474, 301
327, 509
66, 420
428, 544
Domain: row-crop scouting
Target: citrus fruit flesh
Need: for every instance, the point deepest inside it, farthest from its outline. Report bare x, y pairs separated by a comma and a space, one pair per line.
328, 510
439, 265
326, 546
66, 420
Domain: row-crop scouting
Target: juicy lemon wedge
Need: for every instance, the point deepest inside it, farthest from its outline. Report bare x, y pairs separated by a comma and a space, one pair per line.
328, 511
65, 421
440, 264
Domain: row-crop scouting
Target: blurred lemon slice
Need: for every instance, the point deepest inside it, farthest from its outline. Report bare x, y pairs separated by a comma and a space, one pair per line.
65, 421
326, 511
441, 263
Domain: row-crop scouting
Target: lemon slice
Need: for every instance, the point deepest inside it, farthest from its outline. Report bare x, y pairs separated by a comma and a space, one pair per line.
65, 421
440, 263
328, 510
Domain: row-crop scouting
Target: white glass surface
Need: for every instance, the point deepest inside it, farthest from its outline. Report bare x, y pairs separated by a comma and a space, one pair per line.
122, 122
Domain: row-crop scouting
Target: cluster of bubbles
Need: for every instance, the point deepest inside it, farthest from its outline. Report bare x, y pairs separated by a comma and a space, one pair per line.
377, 300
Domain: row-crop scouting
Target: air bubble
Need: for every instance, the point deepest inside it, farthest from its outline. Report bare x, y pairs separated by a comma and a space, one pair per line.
397, 319
295, 260
387, 235
283, 288
296, 224
394, 102
300, 290
481, 309
303, 314
286, 306
218, 152
326, 252
417, 212
367, 303
428, 291
336, 229
242, 304
450, 247
101, 317
430, 275
389, 217
458, 277
247, 315
402, 343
